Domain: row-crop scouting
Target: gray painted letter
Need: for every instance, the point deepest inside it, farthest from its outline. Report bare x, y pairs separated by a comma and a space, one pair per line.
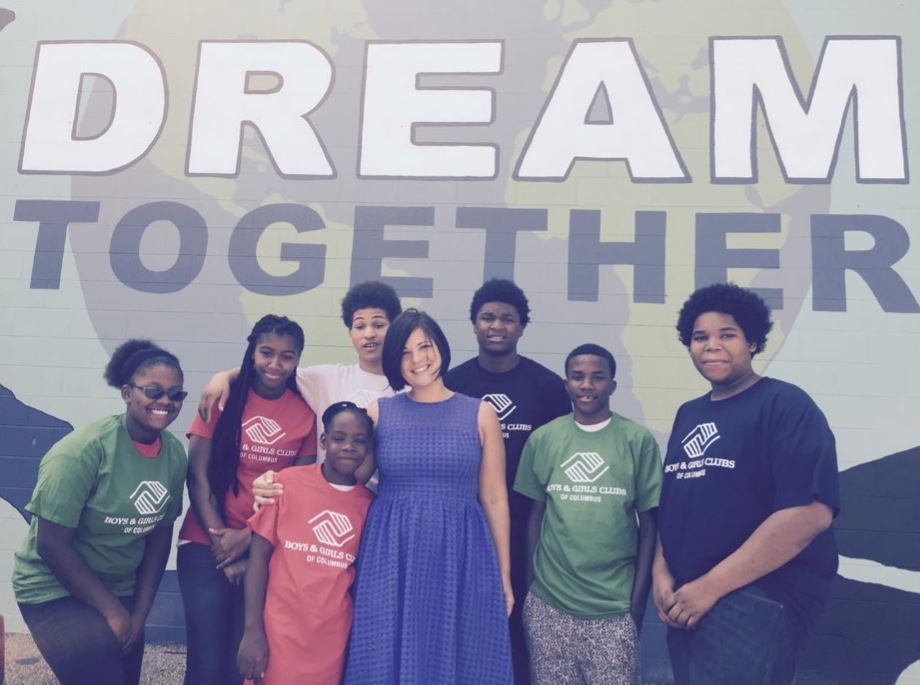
646, 254
125, 248
244, 259
714, 258
53, 217
501, 225
369, 246
830, 261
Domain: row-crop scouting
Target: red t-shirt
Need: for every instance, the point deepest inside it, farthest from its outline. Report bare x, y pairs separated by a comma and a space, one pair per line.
315, 530
274, 433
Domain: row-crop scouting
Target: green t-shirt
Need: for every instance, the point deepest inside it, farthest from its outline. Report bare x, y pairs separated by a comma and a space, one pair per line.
96, 481
593, 484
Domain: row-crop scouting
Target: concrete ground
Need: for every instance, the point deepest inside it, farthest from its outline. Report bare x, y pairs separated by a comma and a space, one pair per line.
164, 664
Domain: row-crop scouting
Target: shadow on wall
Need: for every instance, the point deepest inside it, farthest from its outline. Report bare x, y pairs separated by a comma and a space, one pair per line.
25, 436
869, 634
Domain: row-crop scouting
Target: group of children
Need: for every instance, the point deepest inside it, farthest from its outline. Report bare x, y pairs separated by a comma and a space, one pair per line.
585, 550
268, 597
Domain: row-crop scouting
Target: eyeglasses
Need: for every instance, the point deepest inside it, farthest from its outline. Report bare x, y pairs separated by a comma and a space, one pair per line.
155, 392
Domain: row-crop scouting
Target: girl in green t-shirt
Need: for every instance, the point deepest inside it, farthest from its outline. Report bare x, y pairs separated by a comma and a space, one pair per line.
103, 508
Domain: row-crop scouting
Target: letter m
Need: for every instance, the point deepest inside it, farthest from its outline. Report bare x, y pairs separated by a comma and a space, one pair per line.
806, 132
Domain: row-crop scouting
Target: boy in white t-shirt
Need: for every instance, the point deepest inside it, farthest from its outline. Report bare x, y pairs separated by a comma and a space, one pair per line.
367, 310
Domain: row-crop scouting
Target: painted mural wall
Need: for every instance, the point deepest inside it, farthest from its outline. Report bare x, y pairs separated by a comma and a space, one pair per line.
176, 170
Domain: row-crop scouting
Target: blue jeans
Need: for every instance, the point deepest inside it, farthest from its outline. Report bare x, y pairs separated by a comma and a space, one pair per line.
747, 637
78, 644
213, 618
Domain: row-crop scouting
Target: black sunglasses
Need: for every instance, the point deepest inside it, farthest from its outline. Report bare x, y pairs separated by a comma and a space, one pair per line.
155, 392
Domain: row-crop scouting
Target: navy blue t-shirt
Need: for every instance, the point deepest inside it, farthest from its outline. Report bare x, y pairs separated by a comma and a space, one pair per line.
730, 464
525, 398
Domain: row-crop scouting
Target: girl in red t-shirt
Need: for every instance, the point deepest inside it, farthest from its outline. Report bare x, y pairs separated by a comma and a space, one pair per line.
301, 561
265, 425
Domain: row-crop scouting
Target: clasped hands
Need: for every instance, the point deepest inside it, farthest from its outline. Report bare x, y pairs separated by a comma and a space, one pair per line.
229, 547
684, 608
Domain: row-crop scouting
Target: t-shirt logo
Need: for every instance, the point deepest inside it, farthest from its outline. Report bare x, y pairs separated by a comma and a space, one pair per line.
697, 441
263, 430
363, 398
502, 404
149, 497
584, 467
332, 528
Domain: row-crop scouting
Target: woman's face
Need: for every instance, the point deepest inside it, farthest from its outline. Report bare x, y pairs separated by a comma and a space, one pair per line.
421, 360
274, 359
146, 416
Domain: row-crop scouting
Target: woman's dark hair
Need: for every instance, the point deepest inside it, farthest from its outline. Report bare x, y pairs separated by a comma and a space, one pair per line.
595, 350
334, 410
133, 356
395, 342
370, 294
225, 445
501, 290
745, 306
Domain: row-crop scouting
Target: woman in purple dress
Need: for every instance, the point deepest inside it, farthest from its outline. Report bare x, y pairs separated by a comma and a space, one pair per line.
433, 589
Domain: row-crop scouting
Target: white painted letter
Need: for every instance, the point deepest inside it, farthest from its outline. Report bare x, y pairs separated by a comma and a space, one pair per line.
806, 135
394, 105
50, 143
224, 102
636, 132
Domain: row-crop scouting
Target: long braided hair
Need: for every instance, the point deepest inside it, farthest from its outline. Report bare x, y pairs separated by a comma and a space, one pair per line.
225, 445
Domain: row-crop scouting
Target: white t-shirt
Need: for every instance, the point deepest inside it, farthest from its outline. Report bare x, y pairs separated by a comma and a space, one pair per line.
326, 384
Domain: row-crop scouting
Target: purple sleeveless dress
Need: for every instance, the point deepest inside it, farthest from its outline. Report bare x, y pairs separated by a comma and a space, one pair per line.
429, 607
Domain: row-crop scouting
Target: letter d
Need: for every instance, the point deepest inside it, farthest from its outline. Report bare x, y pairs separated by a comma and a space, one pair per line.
50, 142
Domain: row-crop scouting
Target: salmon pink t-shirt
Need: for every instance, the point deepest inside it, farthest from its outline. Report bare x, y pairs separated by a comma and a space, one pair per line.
274, 433
315, 530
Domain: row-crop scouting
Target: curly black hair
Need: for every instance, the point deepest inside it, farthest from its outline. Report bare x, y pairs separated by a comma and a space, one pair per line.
745, 306
501, 290
370, 294
133, 356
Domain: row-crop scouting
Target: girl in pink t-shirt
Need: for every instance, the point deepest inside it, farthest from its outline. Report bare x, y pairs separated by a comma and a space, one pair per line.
265, 425
298, 608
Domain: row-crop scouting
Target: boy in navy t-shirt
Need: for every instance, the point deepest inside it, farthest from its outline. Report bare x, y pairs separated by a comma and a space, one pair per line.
525, 395
746, 556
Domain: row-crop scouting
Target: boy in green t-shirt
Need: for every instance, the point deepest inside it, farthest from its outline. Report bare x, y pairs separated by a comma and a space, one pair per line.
595, 478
